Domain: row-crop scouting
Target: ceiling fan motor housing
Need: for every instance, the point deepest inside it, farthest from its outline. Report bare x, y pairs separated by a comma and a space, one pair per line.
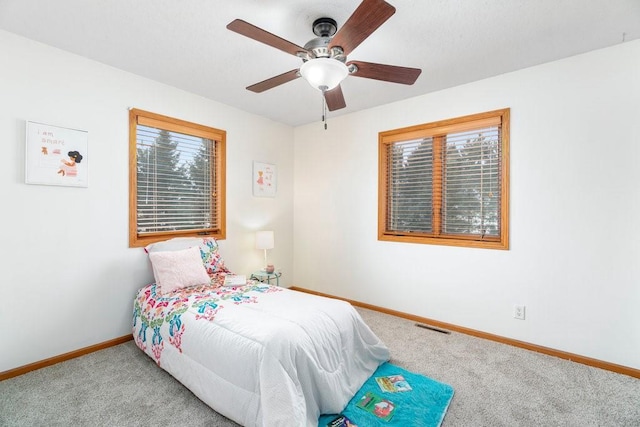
318, 47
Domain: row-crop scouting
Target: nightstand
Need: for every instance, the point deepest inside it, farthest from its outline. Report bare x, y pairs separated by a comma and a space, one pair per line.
264, 277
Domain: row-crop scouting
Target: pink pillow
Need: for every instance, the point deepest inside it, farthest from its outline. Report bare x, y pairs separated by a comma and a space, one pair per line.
178, 269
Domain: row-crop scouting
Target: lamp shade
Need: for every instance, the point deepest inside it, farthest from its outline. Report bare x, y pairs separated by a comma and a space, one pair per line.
264, 240
324, 73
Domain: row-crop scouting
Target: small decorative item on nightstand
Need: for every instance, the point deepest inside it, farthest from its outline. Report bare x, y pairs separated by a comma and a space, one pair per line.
269, 268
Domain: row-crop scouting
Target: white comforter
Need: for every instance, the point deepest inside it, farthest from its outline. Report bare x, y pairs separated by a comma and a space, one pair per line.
260, 355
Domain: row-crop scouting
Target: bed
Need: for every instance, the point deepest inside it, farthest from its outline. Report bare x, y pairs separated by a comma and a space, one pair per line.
258, 354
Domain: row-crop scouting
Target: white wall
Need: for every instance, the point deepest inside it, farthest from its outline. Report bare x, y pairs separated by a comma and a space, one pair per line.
575, 208
67, 275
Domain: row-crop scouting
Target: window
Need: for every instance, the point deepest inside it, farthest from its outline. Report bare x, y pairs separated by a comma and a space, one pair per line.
176, 179
447, 182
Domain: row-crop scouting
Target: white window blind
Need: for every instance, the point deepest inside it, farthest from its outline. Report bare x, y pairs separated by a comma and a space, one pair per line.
175, 181
471, 180
410, 183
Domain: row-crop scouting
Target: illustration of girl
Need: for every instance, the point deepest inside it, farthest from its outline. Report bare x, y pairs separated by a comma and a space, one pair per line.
68, 168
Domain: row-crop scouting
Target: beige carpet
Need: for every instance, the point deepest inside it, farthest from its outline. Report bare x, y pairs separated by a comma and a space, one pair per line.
495, 385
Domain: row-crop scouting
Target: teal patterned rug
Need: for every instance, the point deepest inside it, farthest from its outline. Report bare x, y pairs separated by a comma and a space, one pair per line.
424, 405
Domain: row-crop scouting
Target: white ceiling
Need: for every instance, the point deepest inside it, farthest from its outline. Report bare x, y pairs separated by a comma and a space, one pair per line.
185, 43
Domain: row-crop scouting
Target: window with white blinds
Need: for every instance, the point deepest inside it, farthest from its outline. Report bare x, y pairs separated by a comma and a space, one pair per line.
446, 182
177, 179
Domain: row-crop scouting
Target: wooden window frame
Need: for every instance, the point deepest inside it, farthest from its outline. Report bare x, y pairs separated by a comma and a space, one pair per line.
437, 130
218, 137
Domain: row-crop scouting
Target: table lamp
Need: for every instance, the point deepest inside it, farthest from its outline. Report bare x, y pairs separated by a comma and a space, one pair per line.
264, 241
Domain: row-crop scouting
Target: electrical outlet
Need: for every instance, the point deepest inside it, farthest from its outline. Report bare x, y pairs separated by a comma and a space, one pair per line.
518, 312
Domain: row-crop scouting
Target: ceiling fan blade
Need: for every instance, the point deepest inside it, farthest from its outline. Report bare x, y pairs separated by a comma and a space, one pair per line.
387, 73
242, 27
361, 24
274, 81
335, 99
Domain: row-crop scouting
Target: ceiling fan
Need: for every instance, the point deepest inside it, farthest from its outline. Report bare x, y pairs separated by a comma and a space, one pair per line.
325, 57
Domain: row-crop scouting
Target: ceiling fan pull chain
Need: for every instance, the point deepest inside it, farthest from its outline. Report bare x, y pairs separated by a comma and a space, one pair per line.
324, 111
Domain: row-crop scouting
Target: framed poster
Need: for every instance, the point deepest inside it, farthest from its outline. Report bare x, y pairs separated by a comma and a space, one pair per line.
264, 179
56, 156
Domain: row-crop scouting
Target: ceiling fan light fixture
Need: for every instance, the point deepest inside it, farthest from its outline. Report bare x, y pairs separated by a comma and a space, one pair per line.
324, 73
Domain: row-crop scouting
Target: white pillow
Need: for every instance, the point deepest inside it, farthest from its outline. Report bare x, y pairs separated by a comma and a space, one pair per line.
211, 258
178, 269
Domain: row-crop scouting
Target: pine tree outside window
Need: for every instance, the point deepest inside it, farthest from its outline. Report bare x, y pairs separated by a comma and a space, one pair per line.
446, 182
177, 179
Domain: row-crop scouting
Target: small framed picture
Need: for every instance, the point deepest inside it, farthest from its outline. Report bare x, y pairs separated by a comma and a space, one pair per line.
56, 156
264, 179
